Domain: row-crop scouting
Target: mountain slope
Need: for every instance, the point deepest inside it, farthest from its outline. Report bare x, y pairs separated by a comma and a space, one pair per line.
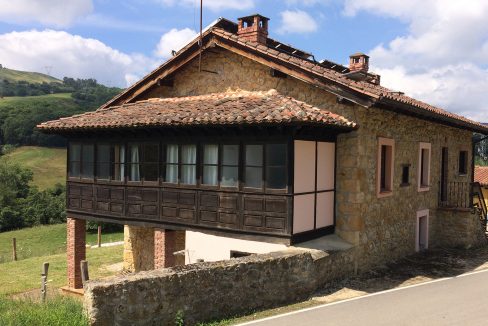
31, 77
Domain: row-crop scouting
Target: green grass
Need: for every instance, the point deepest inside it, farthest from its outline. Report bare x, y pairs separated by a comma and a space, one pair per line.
31, 77
28, 101
44, 240
55, 312
25, 275
47, 164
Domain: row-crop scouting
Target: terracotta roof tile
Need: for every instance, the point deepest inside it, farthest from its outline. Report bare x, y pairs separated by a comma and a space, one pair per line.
229, 108
481, 175
376, 91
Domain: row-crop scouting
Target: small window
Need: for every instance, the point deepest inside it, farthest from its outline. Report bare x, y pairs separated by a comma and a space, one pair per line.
424, 167
463, 162
230, 165
172, 160
405, 175
385, 167
189, 164
254, 166
210, 164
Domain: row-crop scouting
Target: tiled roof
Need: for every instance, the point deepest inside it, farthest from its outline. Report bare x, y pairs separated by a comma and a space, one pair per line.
228, 108
376, 91
481, 175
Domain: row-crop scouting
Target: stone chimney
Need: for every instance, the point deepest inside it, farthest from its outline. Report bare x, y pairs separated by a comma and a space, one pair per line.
253, 28
359, 62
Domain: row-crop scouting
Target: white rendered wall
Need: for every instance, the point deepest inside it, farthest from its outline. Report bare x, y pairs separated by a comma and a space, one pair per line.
213, 248
313, 211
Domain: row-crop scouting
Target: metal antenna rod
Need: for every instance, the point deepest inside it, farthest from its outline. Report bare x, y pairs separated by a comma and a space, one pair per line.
201, 41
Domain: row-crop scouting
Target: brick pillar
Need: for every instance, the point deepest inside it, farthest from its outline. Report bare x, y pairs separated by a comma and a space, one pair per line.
166, 242
76, 251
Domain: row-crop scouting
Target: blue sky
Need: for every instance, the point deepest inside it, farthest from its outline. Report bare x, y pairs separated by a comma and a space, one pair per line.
434, 50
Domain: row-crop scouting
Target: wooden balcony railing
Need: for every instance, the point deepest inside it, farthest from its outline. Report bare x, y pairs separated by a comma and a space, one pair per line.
456, 195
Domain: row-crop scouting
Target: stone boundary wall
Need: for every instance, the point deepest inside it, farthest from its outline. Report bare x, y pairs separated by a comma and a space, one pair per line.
207, 291
459, 228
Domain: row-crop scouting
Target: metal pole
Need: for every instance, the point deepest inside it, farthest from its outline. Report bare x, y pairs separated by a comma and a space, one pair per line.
84, 271
14, 249
99, 238
45, 269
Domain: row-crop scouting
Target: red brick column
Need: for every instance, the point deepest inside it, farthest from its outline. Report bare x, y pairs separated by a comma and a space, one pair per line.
166, 242
76, 251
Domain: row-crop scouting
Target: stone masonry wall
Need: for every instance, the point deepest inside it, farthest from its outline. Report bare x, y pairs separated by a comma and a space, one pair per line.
208, 291
459, 228
138, 248
383, 227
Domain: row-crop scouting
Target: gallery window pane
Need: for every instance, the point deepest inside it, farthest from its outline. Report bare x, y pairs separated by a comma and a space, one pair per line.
276, 177
229, 176
118, 164
276, 154
87, 160
230, 154
150, 171
254, 155
188, 167
171, 163
210, 164
151, 153
74, 169
134, 159
103, 161
254, 177
74, 160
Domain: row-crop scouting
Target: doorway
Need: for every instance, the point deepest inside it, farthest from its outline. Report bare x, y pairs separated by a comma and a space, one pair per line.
422, 231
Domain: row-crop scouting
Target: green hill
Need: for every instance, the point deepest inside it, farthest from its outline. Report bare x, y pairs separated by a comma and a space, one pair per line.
31, 77
47, 164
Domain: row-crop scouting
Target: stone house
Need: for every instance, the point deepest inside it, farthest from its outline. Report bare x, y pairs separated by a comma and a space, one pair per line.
241, 144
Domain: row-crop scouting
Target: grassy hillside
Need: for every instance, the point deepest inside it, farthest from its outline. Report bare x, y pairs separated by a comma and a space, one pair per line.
43, 240
31, 77
41, 100
48, 164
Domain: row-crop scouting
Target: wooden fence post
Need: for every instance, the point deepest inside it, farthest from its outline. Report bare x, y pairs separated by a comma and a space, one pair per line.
99, 240
14, 249
84, 271
45, 269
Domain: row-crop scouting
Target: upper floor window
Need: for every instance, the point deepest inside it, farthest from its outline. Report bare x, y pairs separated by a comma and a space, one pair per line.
189, 164
463, 162
81, 160
210, 164
171, 163
424, 167
386, 147
230, 166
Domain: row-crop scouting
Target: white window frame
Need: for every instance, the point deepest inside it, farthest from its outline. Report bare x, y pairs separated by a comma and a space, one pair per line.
420, 214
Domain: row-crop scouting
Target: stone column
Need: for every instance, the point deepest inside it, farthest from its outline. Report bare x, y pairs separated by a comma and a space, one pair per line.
166, 243
76, 250
138, 248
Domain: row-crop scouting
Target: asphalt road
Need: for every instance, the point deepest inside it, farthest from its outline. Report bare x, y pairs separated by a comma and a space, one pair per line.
461, 300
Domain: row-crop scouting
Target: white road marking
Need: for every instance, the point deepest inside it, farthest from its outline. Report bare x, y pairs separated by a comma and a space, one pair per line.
362, 297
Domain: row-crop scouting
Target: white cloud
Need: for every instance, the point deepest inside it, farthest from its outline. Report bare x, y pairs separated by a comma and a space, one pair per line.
442, 57
306, 2
214, 5
72, 56
174, 40
297, 21
57, 13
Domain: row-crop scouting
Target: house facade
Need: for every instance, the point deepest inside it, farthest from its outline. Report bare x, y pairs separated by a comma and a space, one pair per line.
241, 144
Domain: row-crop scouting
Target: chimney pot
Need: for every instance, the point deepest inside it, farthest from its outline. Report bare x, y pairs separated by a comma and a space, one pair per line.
253, 28
359, 62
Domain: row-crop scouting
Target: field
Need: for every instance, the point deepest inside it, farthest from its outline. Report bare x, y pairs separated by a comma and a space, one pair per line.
44, 241
47, 164
27, 101
31, 77
48, 244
